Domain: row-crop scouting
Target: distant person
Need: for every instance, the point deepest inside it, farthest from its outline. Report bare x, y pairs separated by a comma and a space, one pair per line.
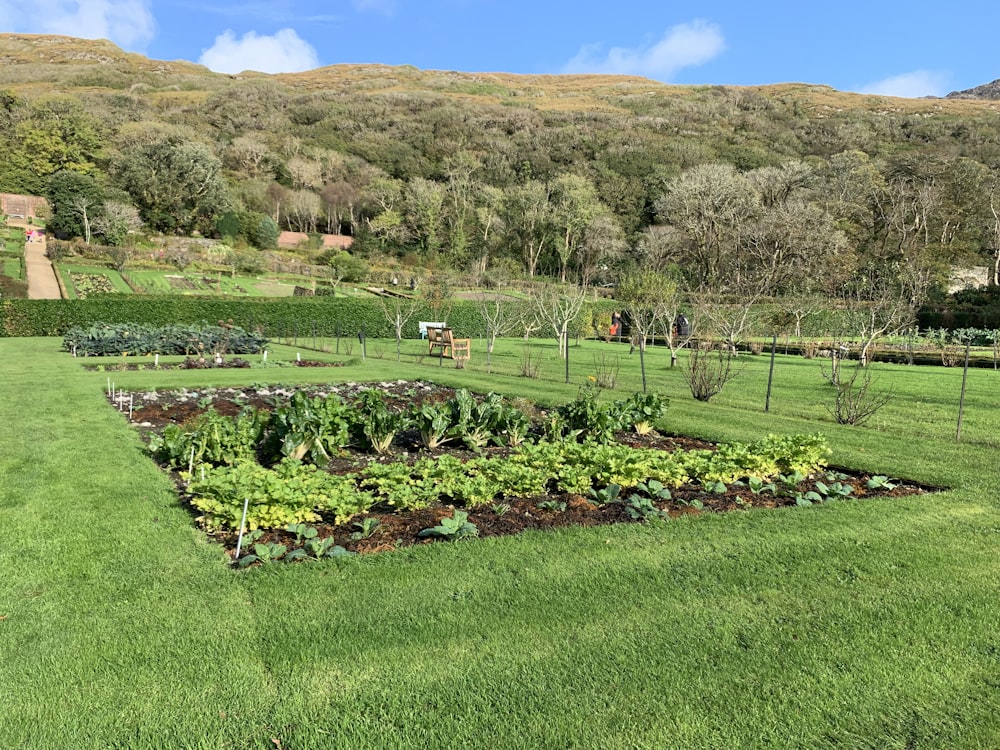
683, 326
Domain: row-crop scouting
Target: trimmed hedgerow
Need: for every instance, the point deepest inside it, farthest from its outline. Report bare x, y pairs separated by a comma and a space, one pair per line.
273, 317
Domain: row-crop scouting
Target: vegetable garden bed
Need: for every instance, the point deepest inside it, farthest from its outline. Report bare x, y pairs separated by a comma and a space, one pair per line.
361, 468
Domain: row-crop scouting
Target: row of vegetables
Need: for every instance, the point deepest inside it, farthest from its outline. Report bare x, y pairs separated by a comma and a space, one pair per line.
276, 459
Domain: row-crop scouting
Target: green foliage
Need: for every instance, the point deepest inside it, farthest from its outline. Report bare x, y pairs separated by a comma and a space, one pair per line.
75, 200
585, 418
103, 339
210, 439
273, 315
641, 508
458, 526
605, 495
376, 425
640, 411
290, 493
880, 482
311, 427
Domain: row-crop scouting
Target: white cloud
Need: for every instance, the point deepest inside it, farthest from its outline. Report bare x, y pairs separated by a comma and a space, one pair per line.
682, 46
910, 85
127, 23
285, 52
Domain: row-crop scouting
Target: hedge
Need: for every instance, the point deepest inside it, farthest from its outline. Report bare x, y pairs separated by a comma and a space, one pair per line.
273, 317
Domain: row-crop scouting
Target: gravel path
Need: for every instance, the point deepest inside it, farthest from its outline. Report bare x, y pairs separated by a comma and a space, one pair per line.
42, 283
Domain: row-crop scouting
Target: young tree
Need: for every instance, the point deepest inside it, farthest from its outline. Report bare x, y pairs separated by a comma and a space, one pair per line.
398, 311
500, 317
882, 299
646, 297
558, 307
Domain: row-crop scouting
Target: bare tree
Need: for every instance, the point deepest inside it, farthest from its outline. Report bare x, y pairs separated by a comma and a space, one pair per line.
646, 297
882, 299
558, 307
500, 317
398, 311
84, 205
117, 222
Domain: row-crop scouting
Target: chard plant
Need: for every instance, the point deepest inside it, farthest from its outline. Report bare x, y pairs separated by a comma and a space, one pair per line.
376, 424
310, 427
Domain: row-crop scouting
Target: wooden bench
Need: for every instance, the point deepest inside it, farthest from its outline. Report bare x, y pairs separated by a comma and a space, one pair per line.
449, 346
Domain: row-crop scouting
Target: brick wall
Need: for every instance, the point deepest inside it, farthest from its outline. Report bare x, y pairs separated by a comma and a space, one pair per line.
24, 206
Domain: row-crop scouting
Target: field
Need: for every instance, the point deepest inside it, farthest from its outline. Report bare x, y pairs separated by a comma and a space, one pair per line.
851, 624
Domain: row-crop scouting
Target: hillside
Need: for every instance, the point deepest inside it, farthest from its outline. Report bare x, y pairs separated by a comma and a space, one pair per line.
559, 175
32, 63
986, 91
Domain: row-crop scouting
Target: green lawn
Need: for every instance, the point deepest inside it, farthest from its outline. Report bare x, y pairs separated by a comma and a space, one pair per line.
867, 624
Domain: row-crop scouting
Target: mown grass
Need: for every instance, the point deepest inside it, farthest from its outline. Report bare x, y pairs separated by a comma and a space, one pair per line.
854, 624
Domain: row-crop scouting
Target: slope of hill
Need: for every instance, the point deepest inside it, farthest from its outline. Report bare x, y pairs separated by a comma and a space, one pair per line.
34, 63
986, 91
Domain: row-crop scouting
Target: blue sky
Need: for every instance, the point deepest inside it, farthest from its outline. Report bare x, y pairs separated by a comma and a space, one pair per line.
915, 49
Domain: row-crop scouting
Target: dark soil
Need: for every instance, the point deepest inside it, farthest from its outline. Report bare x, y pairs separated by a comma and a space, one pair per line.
154, 410
205, 363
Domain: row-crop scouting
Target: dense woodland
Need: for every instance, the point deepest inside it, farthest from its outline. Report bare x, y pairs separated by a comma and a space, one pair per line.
791, 190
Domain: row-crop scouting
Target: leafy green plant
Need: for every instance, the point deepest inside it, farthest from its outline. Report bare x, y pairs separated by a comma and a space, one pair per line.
458, 526
434, 423
713, 486
835, 489
654, 489
807, 498
302, 532
327, 547
605, 495
500, 509
790, 482
269, 551
759, 486
640, 508
211, 438
553, 505
881, 482
365, 528
310, 427
640, 411
290, 493
585, 418
376, 424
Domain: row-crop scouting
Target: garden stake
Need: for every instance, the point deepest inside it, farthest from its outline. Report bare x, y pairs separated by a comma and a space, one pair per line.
131, 403
243, 523
109, 386
191, 464
961, 400
770, 374
156, 360
265, 356
566, 346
